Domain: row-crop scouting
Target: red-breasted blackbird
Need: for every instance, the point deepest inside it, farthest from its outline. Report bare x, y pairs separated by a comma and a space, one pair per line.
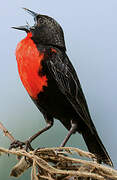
52, 83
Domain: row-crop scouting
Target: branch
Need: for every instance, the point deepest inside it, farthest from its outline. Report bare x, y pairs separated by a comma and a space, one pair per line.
57, 163
63, 165
6, 132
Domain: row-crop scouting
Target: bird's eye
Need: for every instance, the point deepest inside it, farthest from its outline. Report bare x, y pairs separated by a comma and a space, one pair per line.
41, 21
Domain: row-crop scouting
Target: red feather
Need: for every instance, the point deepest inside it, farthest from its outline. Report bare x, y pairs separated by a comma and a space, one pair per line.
29, 64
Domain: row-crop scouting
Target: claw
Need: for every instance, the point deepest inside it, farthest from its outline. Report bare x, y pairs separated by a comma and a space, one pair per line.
16, 144
60, 151
28, 146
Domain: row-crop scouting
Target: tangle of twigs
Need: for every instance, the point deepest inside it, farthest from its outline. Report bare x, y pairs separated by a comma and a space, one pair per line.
58, 164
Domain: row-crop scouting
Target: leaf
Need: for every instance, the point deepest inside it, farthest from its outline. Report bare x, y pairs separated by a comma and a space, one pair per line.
20, 167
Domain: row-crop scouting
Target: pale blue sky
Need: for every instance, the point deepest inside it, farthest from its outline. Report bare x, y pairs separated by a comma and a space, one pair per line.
90, 29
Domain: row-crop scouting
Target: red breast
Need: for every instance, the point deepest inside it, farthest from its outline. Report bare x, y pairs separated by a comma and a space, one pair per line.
29, 64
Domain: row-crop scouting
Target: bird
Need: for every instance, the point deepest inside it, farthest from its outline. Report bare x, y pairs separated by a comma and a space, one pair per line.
53, 85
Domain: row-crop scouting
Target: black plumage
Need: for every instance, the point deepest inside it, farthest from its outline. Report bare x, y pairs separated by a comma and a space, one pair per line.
63, 97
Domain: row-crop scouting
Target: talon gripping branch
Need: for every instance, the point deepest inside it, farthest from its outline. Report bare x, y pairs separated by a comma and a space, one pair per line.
52, 83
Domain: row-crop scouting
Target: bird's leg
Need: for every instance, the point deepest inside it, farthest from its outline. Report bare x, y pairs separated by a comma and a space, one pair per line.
48, 126
27, 143
71, 131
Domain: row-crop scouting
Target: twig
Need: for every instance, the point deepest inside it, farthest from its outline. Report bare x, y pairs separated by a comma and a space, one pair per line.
100, 172
57, 163
6, 132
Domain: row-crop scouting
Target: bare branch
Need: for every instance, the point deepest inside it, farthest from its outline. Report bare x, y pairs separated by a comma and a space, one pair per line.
63, 165
57, 163
6, 132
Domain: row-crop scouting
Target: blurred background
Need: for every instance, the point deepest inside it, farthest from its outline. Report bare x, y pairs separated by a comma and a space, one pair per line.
90, 29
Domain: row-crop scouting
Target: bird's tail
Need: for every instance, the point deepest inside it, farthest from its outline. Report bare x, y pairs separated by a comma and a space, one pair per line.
95, 146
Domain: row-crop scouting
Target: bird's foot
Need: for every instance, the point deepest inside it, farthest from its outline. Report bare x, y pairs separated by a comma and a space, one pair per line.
59, 151
18, 144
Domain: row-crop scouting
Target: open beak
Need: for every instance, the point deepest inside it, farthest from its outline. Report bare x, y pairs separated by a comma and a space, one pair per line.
32, 14
25, 28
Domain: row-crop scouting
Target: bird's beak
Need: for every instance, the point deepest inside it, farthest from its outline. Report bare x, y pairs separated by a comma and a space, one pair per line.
32, 13
25, 28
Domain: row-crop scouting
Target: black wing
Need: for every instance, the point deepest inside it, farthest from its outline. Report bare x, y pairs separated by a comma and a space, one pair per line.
66, 78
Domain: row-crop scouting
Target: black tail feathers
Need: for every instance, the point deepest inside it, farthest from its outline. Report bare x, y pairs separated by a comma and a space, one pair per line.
95, 146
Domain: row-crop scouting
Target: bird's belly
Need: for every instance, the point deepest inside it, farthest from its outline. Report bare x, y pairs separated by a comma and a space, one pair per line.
54, 102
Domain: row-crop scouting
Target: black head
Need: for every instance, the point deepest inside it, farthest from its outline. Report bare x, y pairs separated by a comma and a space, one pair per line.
46, 30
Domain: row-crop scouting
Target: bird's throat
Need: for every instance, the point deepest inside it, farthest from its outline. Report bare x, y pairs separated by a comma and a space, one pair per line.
29, 65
